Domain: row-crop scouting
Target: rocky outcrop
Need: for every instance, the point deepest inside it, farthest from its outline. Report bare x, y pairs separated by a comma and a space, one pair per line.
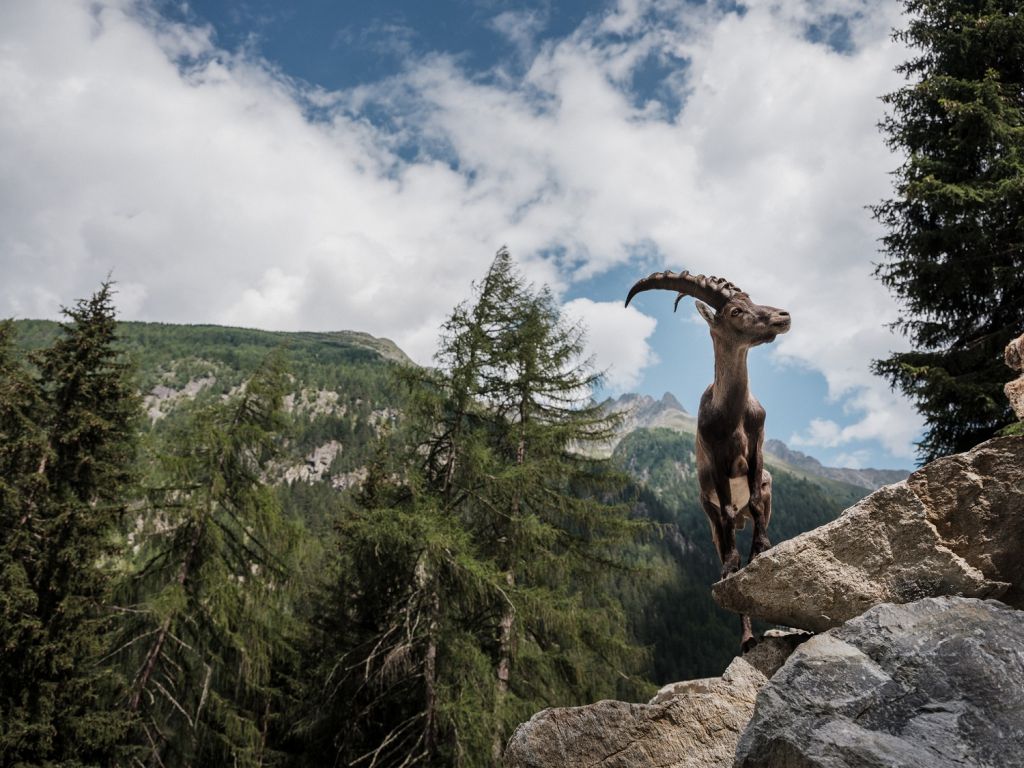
911, 668
1014, 356
975, 500
162, 398
317, 464
936, 683
954, 527
695, 724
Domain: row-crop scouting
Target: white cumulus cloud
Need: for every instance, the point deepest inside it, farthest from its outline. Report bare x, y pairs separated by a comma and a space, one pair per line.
219, 190
617, 340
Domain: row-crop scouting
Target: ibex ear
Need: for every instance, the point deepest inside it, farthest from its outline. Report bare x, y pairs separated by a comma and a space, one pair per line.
707, 313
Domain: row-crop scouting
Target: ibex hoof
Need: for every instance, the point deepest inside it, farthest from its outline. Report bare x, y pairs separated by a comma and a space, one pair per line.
747, 644
761, 544
730, 564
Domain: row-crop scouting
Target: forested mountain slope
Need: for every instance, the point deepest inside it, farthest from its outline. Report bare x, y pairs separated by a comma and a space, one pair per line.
693, 637
344, 394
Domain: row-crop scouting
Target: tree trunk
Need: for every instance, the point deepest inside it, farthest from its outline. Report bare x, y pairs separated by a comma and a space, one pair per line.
153, 656
504, 669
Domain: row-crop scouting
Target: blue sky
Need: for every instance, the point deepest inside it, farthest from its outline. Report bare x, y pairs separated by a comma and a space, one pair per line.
323, 165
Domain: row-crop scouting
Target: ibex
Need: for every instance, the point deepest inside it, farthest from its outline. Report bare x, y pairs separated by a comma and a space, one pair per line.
730, 420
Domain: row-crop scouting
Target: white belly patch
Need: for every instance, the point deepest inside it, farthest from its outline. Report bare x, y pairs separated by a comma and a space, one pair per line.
740, 491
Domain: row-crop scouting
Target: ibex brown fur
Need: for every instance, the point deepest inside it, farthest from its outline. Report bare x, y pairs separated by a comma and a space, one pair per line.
730, 422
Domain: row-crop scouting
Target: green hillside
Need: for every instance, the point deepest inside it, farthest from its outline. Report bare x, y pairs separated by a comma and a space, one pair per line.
343, 392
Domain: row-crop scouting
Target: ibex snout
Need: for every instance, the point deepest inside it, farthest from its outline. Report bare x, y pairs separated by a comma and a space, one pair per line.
769, 323
779, 320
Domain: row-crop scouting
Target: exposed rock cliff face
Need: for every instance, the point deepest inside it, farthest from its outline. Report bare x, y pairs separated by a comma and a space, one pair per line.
911, 669
932, 684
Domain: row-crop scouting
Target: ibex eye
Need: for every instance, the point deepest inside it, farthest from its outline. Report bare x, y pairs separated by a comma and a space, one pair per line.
736, 311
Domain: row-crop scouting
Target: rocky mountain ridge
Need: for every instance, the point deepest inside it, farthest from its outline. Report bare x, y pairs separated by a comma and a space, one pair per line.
872, 479
646, 412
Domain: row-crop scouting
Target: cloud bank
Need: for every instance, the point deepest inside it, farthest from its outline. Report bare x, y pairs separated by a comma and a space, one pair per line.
723, 139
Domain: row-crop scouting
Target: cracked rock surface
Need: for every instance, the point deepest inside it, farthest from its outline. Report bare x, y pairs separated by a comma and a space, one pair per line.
694, 724
954, 527
937, 683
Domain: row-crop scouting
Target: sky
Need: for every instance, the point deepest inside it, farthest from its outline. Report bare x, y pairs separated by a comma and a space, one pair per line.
327, 165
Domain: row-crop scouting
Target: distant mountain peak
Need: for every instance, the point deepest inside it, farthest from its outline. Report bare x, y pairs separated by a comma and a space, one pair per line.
645, 412
669, 401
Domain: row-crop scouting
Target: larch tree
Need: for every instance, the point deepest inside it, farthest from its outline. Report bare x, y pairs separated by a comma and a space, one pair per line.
538, 504
471, 588
954, 248
207, 612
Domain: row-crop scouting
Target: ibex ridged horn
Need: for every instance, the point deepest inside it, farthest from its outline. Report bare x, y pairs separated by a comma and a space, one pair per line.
715, 291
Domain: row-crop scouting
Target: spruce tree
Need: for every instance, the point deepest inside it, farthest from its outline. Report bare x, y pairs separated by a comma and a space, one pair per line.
24, 730
955, 242
70, 447
208, 617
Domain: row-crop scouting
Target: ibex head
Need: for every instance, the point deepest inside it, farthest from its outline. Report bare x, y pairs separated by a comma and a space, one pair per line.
728, 310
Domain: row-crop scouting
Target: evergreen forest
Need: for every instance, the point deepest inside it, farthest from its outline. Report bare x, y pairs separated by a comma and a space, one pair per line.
235, 547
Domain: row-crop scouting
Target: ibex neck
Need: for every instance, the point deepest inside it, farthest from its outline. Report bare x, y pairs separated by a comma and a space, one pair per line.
731, 391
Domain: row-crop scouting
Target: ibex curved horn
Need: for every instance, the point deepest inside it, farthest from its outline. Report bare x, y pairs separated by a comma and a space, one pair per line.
716, 291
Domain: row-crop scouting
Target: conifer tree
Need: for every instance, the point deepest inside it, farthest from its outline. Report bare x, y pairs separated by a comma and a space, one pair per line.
469, 592
24, 731
209, 617
70, 449
955, 242
398, 675
531, 496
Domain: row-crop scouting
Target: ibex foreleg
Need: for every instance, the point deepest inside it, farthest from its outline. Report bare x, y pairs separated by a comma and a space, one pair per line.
761, 513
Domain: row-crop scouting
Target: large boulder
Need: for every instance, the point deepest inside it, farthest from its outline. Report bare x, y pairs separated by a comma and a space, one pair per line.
954, 527
935, 683
694, 724
975, 500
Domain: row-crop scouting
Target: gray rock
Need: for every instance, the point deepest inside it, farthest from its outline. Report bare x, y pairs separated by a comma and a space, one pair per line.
698, 725
954, 527
975, 500
937, 683
773, 648
693, 724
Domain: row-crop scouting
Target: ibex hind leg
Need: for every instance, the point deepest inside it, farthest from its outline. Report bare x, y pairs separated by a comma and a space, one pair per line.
747, 639
723, 533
